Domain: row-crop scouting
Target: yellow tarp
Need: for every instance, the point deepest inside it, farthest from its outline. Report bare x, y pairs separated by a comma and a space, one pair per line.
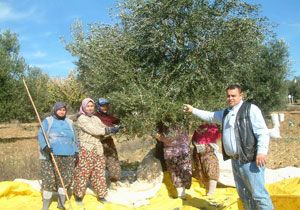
285, 196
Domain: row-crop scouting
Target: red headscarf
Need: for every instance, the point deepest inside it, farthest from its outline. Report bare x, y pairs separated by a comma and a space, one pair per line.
206, 133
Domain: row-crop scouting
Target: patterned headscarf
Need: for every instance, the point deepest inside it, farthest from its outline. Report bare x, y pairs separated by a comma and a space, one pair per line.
84, 105
206, 133
56, 107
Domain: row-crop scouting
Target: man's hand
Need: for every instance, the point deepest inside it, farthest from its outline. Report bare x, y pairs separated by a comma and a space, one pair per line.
187, 108
261, 160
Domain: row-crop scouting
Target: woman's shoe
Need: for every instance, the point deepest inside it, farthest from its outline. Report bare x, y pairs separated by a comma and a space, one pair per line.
102, 200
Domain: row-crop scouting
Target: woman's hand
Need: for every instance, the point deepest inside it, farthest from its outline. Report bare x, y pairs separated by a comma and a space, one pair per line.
162, 138
158, 137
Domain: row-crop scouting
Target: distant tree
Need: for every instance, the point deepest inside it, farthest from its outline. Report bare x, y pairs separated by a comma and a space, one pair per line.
266, 84
37, 82
12, 68
165, 53
14, 101
69, 90
294, 88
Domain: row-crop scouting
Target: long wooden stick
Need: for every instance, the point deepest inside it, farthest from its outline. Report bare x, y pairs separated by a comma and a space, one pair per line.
48, 144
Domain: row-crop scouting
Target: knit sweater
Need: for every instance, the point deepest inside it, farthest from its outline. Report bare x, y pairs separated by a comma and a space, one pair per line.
90, 133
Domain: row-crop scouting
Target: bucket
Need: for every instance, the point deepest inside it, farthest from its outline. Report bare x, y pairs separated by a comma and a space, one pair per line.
275, 119
281, 117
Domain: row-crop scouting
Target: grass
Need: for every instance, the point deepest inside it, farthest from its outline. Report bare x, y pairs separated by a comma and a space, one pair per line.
19, 150
19, 159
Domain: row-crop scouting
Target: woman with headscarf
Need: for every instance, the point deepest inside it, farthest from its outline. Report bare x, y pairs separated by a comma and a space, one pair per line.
63, 145
91, 164
205, 155
110, 151
177, 154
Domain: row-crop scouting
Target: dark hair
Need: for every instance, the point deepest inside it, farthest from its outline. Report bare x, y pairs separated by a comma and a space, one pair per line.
234, 86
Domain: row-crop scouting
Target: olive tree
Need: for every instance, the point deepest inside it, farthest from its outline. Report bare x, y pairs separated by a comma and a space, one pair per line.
164, 53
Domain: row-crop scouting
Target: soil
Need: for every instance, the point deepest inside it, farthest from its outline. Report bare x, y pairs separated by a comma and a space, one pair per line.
284, 151
19, 147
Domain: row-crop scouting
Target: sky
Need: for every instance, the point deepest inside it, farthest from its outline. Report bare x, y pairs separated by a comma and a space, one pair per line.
40, 24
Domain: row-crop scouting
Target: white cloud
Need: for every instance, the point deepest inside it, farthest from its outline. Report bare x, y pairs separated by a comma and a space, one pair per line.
34, 55
39, 54
295, 25
48, 33
59, 68
8, 13
56, 64
291, 24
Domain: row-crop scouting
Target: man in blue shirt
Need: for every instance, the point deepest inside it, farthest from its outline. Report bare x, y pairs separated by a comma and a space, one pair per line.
245, 141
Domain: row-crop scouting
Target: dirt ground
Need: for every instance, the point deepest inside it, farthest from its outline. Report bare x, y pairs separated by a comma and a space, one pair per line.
19, 147
285, 151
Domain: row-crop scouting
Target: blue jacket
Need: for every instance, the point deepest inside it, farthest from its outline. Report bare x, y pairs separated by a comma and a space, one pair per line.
61, 136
